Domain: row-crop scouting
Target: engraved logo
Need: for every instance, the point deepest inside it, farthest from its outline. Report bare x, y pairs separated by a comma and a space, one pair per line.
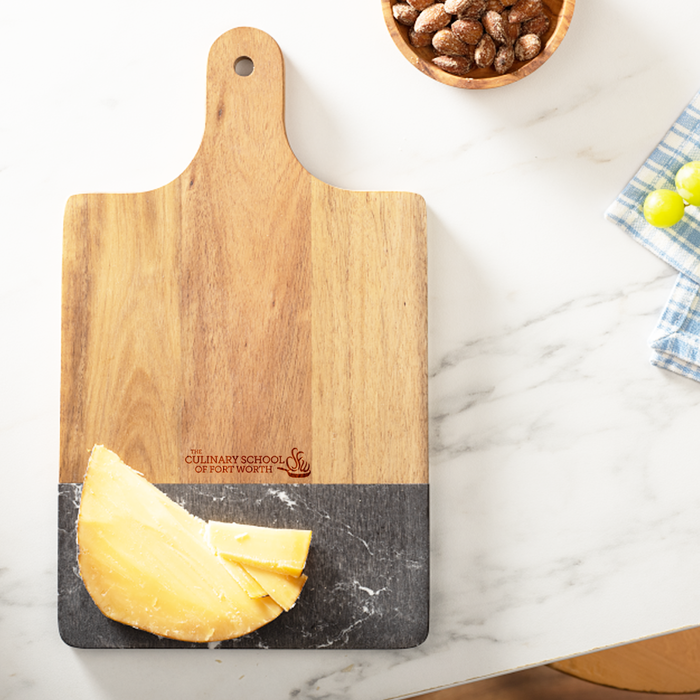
296, 466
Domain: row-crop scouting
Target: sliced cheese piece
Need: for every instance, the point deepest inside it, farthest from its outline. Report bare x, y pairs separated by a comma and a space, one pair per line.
282, 588
243, 578
146, 563
278, 549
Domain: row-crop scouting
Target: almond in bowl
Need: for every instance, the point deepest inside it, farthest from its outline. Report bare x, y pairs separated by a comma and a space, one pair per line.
477, 44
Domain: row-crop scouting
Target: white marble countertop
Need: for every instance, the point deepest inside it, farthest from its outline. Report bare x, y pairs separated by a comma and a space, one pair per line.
565, 479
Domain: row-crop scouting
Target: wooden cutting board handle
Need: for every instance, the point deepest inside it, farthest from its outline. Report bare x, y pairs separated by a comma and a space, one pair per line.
246, 310
245, 113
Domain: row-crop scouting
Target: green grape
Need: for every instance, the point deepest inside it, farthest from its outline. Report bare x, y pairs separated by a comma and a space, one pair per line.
663, 208
688, 182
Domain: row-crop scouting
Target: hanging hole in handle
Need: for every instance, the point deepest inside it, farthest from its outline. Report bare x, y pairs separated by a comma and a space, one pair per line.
243, 66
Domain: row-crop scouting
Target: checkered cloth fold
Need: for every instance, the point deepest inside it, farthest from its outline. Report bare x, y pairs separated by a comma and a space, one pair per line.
675, 342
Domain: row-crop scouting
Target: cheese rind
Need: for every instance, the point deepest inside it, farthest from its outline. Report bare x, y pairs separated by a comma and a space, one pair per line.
146, 563
277, 549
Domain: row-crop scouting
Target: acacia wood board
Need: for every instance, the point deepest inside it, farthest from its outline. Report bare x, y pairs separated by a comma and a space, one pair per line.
249, 324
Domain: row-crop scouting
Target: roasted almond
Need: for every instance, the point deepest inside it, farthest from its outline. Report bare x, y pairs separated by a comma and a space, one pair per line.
455, 7
445, 42
505, 56
431, 19
495, 26
420, 41
457, 65
527, 47
420, 5
524, 10
511, 29
474, 10
485, 52
468, 30
495, 6
537, 25
404, 13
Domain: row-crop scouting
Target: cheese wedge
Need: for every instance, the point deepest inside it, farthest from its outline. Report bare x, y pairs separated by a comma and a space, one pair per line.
244, 579
146, 563
283, 589
281, 550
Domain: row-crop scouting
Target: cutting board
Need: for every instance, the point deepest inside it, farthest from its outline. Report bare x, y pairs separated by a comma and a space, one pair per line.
254, 341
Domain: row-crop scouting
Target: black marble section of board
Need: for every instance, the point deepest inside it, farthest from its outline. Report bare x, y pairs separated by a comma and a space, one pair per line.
368, 566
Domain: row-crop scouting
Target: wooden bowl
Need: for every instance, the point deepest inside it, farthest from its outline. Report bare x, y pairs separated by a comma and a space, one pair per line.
560, 13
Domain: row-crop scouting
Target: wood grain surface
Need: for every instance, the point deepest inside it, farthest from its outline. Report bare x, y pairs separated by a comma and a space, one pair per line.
541, 683
246, 310
666, 664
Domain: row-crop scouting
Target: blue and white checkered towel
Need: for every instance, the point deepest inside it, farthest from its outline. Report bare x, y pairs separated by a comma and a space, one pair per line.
675, 341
